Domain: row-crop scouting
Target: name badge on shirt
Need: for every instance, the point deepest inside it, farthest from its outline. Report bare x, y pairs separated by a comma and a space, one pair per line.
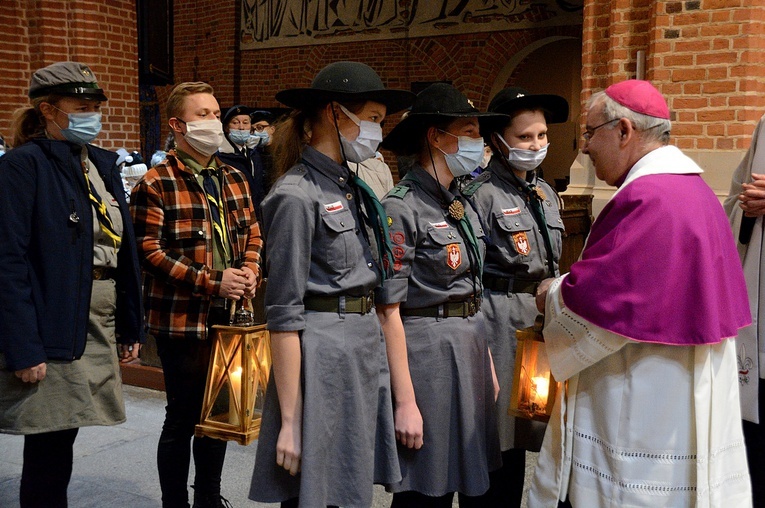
511, 211
439, 225
334, 207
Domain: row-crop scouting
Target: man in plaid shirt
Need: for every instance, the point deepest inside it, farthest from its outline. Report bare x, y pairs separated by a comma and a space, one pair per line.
200, 243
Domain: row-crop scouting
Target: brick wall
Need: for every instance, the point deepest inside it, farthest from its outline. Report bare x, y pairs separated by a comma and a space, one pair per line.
706, 57
100, 34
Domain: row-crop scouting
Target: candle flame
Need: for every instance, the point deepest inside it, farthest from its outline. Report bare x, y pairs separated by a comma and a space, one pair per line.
542, 387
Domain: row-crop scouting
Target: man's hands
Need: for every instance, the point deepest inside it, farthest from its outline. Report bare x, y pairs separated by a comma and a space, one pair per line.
238, 283
752, 198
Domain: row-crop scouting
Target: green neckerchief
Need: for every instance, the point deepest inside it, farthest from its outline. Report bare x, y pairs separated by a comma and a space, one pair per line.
535, 201
376, 219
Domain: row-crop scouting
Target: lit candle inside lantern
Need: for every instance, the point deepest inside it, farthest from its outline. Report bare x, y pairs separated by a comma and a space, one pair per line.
541, 389
235, 389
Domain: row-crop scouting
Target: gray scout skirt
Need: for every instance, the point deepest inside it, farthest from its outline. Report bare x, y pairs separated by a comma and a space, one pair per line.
349, 441
505, 313
451, 372
73, 394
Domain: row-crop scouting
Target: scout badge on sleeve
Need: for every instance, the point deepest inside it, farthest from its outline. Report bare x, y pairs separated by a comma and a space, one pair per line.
522, 243
453, 256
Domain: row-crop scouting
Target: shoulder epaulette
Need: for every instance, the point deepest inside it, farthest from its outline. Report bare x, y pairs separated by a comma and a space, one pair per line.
399, 191
475, 183
294, 175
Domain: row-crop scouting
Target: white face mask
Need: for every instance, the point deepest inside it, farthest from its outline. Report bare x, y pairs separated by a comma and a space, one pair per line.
365, 145
524, 160
204, 136
468, 157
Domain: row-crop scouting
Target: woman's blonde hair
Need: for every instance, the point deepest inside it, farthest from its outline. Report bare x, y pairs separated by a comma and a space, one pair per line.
290, 136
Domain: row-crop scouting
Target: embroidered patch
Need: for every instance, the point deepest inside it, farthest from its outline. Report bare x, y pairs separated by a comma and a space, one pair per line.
511, 211
390, 221
453, 256
398, 252
439, 225
397, 237
522, 243
334, 207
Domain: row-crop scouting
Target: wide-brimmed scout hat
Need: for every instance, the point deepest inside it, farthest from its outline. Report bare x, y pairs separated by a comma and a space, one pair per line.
514, 98
234, 111
345, 82
437, 102
69, 79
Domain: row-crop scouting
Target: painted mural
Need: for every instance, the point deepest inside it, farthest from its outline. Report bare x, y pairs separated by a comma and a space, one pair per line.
278, 23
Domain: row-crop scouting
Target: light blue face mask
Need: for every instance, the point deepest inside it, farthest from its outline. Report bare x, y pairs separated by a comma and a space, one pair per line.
258, 139
468, 156
83, 127
239, 137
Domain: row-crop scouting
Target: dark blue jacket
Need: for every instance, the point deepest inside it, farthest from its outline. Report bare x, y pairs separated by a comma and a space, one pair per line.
46, 254
252, 166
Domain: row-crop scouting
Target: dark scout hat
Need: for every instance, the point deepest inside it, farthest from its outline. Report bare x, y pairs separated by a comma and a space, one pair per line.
70, 79
262, 115
437, 102
345, 82
514, 99
235, 111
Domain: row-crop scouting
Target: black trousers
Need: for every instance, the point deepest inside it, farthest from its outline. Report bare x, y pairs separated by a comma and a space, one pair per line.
47, 469
754, 438
185, 364
506, 483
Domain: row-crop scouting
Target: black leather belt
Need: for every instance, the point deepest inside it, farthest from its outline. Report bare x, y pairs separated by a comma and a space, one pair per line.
503, 284
103, 272
350, 304
463, 309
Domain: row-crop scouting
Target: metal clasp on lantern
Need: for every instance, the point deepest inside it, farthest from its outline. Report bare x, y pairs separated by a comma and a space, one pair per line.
240, 365
534, 387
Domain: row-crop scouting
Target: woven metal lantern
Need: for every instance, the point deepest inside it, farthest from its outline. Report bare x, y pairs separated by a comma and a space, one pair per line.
534, 387
240, 364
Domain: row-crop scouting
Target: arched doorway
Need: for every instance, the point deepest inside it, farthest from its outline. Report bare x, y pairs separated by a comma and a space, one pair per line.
551, 65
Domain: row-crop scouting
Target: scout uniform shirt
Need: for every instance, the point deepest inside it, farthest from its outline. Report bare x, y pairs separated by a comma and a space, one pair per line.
431, 262
312, 224
515, 246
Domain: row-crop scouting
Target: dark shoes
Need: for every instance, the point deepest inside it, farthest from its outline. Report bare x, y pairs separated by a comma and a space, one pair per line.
202, 500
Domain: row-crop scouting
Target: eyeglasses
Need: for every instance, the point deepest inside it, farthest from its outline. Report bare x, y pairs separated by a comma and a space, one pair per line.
590, 132
260, 126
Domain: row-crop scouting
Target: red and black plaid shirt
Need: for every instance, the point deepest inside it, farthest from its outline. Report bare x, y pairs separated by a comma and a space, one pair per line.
173, 228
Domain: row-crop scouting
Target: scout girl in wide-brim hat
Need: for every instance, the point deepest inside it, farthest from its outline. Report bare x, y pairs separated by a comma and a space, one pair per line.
430, 307
327, 343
